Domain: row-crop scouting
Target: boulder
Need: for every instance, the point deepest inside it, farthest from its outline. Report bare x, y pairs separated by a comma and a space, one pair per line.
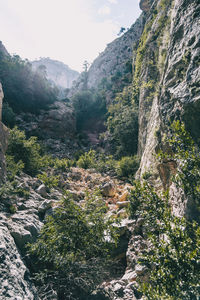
45, 205
15, 281
42, 190
108, 189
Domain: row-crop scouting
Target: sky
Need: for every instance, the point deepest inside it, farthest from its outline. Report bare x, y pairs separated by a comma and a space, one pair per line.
70, 31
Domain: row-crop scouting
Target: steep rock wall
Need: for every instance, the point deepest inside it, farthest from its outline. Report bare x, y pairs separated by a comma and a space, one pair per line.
3, 140
114, 58
166, 79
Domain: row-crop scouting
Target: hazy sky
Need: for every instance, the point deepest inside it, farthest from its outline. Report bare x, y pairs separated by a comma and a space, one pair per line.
67, 30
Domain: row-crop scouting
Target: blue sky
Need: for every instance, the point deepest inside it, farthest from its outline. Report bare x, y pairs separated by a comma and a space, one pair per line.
67, 30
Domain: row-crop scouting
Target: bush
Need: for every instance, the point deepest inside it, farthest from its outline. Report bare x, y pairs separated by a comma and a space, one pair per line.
72, 243
13, 168
50, 181
87, 160
127, 166
25, 150
62, 164
173, 257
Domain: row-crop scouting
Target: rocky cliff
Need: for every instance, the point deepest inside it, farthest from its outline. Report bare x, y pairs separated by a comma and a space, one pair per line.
167, 76
3, 140
114, 58
57, 72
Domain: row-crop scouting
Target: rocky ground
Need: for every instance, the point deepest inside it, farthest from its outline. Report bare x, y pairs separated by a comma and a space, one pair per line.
22, 215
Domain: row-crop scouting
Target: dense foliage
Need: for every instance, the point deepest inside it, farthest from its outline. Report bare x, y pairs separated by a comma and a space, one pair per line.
74, 246
122, 125
24, 89
187, 156
26, 151
124, 168
173, 253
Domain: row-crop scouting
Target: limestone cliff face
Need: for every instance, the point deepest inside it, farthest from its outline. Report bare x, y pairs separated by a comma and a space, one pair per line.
59, 73
115, 56
3, 140
167, 75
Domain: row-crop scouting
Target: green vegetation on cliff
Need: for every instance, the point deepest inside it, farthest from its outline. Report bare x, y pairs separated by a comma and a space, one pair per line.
173, 252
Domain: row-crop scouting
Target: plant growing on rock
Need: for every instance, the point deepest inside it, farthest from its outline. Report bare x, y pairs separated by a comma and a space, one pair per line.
73, 247
174, 253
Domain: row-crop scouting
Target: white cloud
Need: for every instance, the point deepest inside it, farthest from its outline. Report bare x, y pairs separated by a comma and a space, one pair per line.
113, 1
104, 10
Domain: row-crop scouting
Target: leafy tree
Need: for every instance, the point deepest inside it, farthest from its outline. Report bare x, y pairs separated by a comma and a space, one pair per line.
24, 89
174, 247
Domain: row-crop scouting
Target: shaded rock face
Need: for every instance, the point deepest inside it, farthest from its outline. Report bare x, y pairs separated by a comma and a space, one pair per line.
58, 122
169, 79
3, 140
113, 59
59, 73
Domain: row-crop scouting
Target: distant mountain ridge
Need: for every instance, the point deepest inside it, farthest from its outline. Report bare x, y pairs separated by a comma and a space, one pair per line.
57, 72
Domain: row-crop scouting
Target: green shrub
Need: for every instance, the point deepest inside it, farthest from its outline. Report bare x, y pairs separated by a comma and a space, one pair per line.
87, 160
106, 164
173, 257
50, 181
25, 150
13, 168
62, 164
127, 166
72, 246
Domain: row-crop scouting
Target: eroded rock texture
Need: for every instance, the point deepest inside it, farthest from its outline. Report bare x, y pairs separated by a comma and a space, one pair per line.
169, 78
3, 140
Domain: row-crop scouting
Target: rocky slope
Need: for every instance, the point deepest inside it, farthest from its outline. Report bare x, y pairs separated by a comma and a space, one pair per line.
59, 73
23, 214
56, 127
